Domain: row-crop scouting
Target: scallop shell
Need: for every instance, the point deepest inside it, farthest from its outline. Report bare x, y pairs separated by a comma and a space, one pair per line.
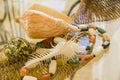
42, 22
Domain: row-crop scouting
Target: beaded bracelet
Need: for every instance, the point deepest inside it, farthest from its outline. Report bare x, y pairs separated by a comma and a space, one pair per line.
76, 60
92, 35
92, 39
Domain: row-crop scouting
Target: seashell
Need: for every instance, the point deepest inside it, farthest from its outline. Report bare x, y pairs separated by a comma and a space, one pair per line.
53, 67
29, 78
59, 39
42, 22
33, 41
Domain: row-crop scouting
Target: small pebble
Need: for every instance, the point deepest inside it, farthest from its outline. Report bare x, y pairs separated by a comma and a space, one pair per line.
29, 78
53, 67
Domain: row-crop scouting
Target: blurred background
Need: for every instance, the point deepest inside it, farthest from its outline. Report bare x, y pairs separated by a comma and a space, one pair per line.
105, 68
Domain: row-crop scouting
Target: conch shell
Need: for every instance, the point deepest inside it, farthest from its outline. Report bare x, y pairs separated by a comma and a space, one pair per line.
42, 22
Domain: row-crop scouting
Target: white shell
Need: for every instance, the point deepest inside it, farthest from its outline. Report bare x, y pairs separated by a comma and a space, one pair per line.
59, 39
29, 78
52, 67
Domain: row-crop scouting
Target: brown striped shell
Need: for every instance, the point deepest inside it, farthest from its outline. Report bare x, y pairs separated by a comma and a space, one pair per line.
39, 23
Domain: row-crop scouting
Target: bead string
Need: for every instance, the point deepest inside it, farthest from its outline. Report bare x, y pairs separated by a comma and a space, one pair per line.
92, 30
92, 35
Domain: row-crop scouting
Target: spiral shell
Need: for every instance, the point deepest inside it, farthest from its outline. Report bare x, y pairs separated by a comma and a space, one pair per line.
39, 23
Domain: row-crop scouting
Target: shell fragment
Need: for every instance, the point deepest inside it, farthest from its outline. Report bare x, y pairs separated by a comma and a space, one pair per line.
29, 78
52, 67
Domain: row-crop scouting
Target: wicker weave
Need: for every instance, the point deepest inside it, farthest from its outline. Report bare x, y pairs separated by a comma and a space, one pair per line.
97, 11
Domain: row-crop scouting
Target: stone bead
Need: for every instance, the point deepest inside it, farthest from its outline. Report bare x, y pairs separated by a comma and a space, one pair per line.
83, 27
23, 72
45, 76
29, 78
106, 37
74, 60
93, 27
105, 44
89, 47
92, 39
102, 31
98, 50
59, 39
38, 44
92, 31
53, 67
88, 57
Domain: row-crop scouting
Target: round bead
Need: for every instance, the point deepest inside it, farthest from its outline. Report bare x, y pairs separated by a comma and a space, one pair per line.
106, 37
23, 72
59, 39
92, 39
44, 77
92, 31
93, 27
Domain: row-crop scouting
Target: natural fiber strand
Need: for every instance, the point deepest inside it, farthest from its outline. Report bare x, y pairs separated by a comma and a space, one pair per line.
97, 11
